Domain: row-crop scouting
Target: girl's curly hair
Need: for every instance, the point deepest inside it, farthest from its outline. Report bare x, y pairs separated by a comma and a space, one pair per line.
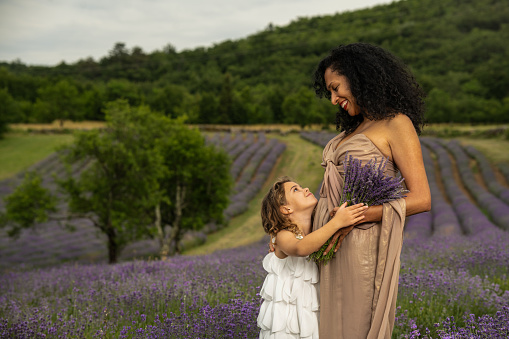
380, 83
273, 220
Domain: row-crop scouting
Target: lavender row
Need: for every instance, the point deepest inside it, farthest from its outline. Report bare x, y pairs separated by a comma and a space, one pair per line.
241, 199
318, 138
250, 168
230, 144
496, 209
242, 160
445, 220
240, 146
472, 220
488, 174
214, 139
504, 168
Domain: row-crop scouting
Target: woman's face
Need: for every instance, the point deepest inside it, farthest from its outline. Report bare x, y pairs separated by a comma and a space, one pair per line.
339, 87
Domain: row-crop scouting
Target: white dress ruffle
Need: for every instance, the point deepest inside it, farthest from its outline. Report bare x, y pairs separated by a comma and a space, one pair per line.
290, 293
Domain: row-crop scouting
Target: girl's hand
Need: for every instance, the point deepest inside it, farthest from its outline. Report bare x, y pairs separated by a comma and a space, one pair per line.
347, 216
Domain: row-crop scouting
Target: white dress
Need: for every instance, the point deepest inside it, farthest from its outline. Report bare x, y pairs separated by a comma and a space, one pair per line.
290, 293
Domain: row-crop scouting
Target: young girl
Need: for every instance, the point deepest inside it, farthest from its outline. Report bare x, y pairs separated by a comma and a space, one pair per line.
290, 307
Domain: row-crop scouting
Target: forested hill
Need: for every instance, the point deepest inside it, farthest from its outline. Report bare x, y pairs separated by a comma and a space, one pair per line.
458, 50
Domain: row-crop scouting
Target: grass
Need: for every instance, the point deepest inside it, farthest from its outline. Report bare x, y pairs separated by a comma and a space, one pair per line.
462, 127
18, 151
494, 149
301, 162
55, 126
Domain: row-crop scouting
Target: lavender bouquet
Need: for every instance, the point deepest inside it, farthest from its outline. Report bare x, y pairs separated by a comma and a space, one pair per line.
364, 184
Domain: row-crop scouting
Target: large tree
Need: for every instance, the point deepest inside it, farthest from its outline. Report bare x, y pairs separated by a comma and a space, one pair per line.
195, 186
115, 190
145, 175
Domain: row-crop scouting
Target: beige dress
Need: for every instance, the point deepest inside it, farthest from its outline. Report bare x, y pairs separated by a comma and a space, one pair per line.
359, 286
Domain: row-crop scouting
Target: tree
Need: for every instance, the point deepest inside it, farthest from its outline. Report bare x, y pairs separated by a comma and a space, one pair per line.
195, 187
123, 89
62, 101
300, 108
29, 203
167, 100
225, 102
9, 110
116, 190
208, 106
143, 172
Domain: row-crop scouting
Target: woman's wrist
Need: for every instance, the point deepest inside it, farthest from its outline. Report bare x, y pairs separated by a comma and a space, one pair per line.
373, 214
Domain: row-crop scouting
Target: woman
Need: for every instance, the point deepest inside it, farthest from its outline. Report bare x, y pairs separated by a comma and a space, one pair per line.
380, 115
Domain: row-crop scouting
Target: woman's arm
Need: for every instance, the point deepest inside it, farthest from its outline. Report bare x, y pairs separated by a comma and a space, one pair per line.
407, 155
345, 216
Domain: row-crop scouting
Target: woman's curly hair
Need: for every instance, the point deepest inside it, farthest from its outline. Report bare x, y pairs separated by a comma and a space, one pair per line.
273, 220
380, 83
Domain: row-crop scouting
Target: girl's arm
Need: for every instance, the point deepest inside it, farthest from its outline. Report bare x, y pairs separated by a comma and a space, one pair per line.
344, 217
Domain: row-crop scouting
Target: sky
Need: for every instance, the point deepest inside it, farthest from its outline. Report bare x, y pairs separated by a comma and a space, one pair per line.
47, 32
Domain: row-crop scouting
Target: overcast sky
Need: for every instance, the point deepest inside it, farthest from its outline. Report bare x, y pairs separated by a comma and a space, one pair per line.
46, 32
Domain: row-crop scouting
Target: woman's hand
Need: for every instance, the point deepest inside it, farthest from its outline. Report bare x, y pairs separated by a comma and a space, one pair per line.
356, 213
341, 234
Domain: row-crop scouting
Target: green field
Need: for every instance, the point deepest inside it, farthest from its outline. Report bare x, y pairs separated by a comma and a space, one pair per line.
18, 151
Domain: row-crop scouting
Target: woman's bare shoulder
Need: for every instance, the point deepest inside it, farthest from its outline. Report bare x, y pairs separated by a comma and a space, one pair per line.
400, 121
400, 126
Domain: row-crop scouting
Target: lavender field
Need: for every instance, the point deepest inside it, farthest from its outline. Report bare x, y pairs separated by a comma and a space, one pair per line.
454, 277
253, 157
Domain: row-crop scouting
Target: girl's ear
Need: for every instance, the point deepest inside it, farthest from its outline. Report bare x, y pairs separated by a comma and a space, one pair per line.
285, 210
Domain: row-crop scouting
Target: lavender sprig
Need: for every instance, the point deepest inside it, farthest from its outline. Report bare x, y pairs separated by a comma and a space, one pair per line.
364, 184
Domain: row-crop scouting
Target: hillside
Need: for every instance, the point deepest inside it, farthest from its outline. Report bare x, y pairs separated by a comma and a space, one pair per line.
457, 50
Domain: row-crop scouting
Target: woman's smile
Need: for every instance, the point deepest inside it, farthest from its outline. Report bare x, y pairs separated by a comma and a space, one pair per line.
339, 88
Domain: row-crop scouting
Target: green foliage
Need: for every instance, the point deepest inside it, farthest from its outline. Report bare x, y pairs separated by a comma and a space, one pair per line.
116, 189
141, 163
458, 52
8, 108
60, 101
196, 185
29, 203
303, 108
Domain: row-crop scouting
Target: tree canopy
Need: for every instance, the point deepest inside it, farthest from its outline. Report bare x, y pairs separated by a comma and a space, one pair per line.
456, 49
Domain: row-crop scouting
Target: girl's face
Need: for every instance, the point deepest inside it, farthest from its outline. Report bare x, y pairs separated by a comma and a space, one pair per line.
339, 87
298, 198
